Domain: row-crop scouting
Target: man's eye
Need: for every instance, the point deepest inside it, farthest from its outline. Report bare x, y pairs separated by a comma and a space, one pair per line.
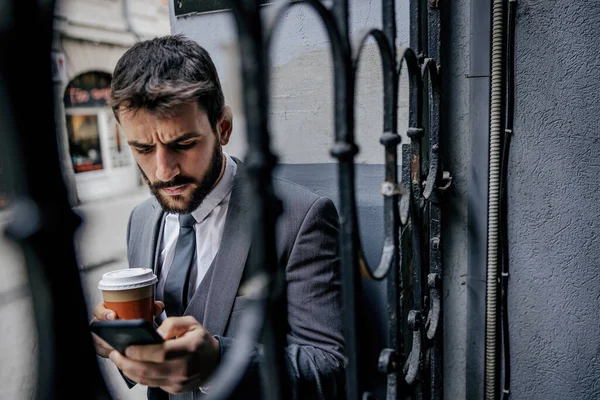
144, 150
185, 145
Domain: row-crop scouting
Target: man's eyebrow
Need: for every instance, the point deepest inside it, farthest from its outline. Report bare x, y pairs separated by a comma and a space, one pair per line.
181, 138
184, 137
135, 143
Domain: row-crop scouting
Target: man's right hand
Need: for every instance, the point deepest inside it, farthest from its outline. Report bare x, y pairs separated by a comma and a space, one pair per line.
102, 313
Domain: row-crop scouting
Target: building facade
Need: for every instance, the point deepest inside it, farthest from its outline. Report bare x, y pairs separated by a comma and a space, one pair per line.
89, 38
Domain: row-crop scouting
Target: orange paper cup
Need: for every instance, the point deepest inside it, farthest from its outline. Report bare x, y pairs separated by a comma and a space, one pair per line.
129, 292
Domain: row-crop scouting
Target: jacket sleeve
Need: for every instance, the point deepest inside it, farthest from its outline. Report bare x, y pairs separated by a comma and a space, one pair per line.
315, 345
128, 381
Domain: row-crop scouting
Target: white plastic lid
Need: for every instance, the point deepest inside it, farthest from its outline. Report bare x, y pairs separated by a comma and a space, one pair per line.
127, 278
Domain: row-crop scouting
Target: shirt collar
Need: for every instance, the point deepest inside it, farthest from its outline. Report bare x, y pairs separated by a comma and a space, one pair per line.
219, 192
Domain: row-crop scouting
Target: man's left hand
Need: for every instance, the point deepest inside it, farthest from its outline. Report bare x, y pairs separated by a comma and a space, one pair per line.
181, 364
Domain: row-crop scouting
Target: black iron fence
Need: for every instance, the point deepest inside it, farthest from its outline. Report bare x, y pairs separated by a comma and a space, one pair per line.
411, 259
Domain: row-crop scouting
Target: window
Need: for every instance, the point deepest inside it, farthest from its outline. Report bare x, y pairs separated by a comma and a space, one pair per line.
95, 139
84, 142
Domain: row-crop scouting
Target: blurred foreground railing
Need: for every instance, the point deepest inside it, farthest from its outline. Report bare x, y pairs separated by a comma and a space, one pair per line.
43, 223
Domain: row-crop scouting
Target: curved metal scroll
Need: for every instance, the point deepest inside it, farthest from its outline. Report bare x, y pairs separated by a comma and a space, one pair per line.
412, 367
431, 71
433, 317
415, 131
390, 188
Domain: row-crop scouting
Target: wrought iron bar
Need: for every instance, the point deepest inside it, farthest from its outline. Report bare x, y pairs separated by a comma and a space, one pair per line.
414, 211
260, 162
267, 315
436, 177
416, 25
413, 163
341, 14
390, 188
432, 191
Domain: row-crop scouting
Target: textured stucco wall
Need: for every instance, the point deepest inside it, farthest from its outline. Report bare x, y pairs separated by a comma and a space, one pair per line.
554, 174
455, 142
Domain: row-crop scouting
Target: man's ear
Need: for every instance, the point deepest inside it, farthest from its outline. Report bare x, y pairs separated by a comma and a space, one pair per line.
225, 125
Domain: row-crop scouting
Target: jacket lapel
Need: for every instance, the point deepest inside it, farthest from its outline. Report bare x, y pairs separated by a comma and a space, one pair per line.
152, 236
213, 308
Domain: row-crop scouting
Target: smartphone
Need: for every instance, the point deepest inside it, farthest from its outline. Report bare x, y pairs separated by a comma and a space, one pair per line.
122, 333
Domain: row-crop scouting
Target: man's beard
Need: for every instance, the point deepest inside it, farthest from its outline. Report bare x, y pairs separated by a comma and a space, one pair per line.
177, 204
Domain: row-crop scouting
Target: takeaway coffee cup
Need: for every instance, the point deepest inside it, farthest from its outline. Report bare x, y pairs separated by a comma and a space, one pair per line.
129, 292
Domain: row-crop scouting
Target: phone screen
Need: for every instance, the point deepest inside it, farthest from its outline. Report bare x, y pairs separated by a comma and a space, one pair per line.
123, 333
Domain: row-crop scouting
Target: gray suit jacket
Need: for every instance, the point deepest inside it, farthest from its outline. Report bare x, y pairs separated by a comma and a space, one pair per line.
307, 244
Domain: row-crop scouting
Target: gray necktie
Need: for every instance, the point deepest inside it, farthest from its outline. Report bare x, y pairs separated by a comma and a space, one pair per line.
176, 285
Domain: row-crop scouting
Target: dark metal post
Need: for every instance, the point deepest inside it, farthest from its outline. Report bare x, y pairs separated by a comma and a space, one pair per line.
416, 26
391, 139
260, 162
434, 278
344, 150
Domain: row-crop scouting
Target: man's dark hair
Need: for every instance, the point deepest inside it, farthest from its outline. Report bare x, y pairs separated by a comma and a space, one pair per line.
165, 72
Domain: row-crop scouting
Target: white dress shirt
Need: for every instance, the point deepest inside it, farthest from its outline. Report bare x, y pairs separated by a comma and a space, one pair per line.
210, 222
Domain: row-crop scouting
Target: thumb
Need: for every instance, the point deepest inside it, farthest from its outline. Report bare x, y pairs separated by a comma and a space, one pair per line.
159, 307
176, 326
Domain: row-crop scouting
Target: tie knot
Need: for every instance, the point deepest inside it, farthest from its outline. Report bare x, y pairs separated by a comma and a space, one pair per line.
186, 220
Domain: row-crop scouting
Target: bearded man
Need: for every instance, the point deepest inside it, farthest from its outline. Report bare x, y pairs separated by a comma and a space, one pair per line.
194, 233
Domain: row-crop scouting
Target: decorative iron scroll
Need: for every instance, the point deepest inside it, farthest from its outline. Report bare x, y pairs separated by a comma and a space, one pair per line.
411, 253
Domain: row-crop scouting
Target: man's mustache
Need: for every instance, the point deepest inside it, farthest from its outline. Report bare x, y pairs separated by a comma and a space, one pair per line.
177, 181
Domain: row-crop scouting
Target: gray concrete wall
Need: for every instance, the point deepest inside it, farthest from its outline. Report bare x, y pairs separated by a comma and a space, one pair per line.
554, 174
477, 121
554, 293
455, 141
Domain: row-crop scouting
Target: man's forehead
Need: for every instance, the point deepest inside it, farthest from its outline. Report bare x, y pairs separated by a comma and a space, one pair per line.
141, 130
165, 111
185, 118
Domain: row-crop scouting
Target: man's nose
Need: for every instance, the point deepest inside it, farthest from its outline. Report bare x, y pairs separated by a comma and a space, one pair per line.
166, 164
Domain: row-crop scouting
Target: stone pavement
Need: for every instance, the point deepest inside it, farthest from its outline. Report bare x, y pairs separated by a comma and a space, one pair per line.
101, 247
